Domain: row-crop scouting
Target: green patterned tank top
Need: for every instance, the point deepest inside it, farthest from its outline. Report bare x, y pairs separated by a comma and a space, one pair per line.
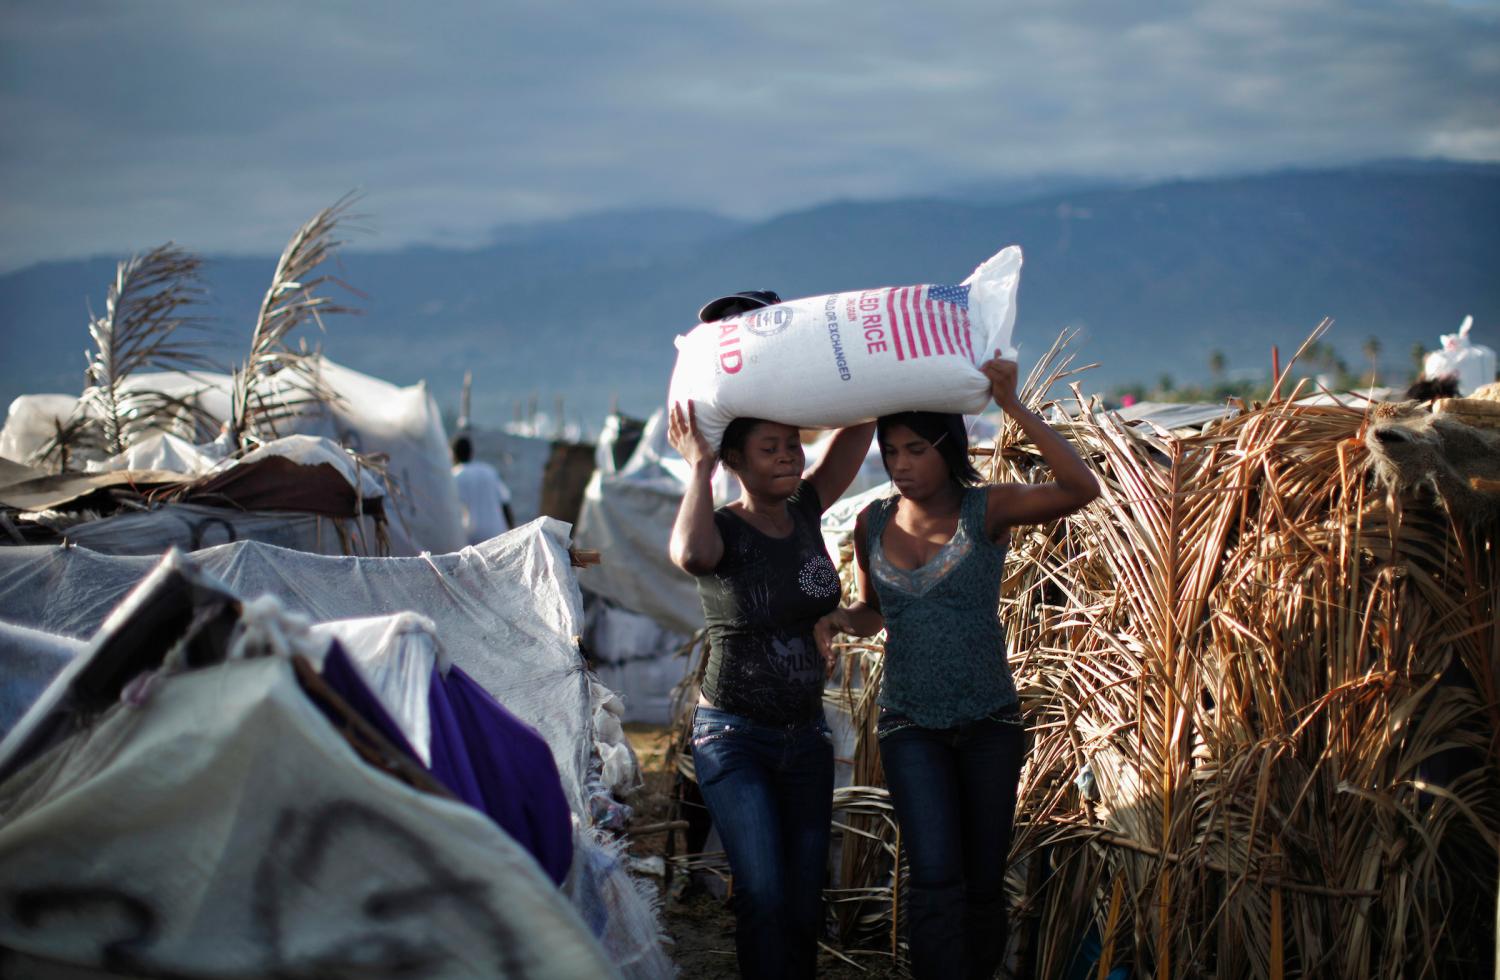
945, 647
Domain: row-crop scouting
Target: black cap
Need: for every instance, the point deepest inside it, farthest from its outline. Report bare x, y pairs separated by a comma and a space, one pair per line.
737, 303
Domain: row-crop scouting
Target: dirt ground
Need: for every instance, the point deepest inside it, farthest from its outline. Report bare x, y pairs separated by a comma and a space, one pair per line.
701, 926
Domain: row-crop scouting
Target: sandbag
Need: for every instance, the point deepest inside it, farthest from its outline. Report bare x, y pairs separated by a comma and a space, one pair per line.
844, 358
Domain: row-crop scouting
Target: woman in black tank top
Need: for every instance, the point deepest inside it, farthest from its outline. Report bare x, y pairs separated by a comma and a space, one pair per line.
761, 748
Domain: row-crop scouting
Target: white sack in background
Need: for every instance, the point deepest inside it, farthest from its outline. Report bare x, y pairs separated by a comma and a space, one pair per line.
837, 360
31, 421
1473, 364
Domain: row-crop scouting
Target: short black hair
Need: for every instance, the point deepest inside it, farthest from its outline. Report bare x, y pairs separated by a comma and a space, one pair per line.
463, 449
947, 433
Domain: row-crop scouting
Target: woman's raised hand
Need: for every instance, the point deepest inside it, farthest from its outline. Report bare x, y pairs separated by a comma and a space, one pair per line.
1002, 375
683, 434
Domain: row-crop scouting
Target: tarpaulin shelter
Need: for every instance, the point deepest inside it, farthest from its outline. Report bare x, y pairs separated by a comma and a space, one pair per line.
369, 416
190, 797
299, 492
506, 612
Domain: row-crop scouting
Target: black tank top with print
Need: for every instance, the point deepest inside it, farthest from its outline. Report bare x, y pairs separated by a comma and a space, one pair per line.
760, 604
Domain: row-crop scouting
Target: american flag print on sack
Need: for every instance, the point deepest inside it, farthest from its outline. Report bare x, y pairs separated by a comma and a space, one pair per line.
927, 321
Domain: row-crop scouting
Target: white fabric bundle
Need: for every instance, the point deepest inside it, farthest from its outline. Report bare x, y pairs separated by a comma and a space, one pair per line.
1472, 364
845, 358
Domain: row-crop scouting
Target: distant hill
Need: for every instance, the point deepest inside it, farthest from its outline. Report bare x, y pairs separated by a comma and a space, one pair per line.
1156, 276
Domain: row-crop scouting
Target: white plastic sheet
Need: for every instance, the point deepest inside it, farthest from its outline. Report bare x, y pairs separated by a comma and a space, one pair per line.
507, 612
194, 526
29, 659
221, 827
161, 451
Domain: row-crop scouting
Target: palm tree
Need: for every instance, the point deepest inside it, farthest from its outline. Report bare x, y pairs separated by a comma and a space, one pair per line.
277, 382
1371, 351
149, 300
1419, 358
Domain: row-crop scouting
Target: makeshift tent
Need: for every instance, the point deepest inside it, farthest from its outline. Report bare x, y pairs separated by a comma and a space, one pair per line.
370, 416
190, 798
300, 492
506, 611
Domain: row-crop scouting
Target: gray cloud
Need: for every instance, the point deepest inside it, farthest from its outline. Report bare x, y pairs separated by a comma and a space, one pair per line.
224, 125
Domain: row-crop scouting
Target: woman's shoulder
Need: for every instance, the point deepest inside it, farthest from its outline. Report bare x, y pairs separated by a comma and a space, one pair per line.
879, 508
986, 503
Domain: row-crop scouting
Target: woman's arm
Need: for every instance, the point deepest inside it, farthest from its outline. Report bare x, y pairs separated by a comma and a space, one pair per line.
1073, 485
840, 464
696, 546
863, 617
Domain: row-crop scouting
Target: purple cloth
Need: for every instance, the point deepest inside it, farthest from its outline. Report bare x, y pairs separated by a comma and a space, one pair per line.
348, 683
485, 755
497, 763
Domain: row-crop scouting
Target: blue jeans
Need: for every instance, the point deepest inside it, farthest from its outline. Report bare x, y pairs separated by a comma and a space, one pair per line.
954, 790
769, 789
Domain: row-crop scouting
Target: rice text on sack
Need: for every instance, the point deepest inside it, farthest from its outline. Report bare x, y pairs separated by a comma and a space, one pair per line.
870, 320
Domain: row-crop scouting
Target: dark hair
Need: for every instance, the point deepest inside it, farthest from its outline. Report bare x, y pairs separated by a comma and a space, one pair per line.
948, 435
463, 449
735, 435
736, 304
1427, 389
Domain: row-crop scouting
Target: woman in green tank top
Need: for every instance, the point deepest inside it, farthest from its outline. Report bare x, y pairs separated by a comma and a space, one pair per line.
951, 741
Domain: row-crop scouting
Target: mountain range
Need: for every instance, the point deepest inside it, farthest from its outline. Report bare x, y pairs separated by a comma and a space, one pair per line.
1155, 276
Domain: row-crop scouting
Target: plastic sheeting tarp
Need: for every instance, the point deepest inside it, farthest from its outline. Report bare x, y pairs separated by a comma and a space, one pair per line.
507, 611
1176, 415
220, 826
161, 451
29, 659
636, 657
30, 421
194, 526
627, 517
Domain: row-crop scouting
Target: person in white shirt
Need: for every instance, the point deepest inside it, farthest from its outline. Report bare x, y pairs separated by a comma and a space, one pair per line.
484, 496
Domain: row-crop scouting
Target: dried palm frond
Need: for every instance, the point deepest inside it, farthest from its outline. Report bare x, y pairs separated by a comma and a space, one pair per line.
1262, 668
278, 382
147, 304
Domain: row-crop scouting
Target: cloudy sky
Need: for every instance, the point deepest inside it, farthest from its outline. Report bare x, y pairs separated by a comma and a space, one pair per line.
224, 124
